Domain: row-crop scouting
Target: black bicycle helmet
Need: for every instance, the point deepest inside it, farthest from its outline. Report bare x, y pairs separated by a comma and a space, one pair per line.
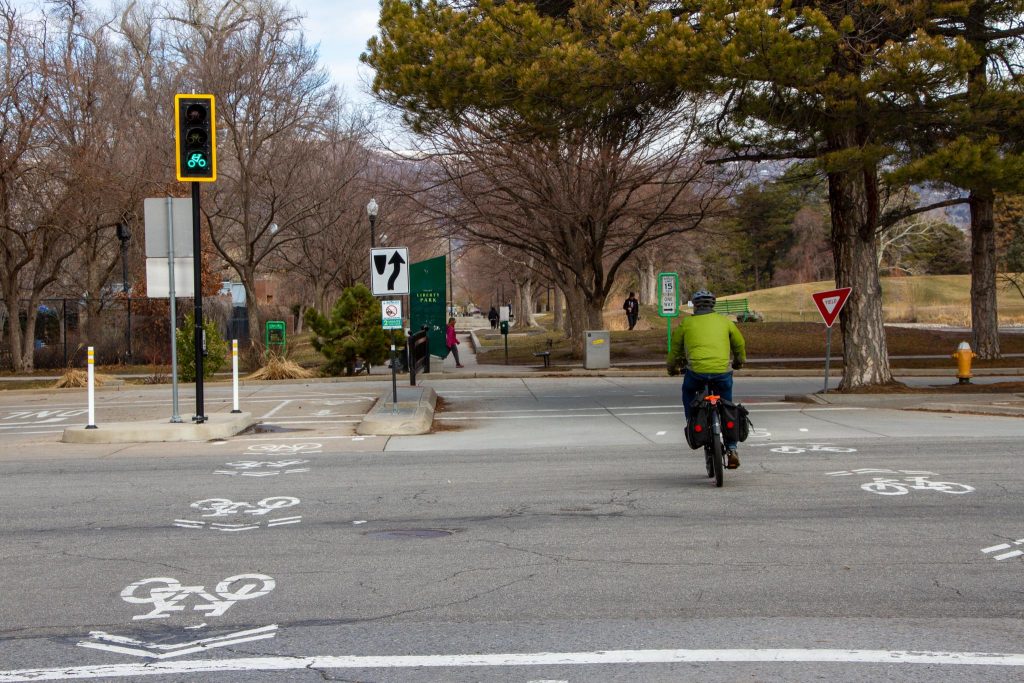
702, 298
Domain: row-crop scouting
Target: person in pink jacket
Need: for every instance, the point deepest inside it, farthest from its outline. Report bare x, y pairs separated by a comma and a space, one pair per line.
452, 342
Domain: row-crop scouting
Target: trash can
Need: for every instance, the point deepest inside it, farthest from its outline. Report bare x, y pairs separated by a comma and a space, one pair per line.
597, 354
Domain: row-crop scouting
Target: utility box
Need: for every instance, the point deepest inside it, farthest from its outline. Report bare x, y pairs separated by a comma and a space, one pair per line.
597, 355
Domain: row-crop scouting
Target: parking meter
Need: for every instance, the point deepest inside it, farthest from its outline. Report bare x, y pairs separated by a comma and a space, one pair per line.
504, 327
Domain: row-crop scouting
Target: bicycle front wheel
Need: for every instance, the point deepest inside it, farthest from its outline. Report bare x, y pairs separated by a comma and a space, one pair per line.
717, 460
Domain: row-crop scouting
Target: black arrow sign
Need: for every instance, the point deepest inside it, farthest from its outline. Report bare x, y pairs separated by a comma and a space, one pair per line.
397, 261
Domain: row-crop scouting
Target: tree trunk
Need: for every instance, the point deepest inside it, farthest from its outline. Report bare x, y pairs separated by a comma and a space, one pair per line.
28, 340
853, 200
252, 307
559, 318
14, 333
984, 312
576, 320
650, 283
526, 307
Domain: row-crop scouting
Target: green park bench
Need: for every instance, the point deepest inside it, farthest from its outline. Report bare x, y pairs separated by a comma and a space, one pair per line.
732, 306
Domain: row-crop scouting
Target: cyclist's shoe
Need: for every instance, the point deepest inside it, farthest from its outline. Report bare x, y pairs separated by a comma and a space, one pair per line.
732, 459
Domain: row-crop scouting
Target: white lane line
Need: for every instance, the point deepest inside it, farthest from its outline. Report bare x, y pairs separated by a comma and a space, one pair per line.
555, 416
302, 438
661, 433
673, 409
280, 405
51, 431
315, 422
516, 659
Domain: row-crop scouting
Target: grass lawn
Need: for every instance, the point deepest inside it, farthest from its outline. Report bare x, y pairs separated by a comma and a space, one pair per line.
764, 341
942, 299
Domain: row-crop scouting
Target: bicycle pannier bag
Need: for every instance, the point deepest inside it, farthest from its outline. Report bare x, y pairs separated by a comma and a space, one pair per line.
735, 421
698, 428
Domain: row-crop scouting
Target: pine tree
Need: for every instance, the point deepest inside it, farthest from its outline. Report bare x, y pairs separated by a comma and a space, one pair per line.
979, 144
834, 82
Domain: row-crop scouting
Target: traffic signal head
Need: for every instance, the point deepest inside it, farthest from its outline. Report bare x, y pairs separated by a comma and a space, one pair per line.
195, 134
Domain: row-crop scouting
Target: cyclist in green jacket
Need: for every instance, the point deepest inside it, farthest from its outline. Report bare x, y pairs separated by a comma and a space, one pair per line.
706, 340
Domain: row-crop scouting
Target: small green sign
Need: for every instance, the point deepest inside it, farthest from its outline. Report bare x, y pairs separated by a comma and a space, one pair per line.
668, 295
274, 333
668, 301
391, 314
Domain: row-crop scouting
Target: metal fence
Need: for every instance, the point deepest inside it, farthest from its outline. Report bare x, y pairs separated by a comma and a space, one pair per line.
418, 350
132, 331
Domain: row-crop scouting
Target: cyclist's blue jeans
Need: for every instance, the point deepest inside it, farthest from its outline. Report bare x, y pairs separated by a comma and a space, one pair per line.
694, 383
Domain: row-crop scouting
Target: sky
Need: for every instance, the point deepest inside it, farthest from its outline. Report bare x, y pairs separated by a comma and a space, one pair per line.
341, 28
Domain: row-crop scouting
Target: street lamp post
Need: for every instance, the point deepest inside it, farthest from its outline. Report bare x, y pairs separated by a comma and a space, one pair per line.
371, 211
124, 234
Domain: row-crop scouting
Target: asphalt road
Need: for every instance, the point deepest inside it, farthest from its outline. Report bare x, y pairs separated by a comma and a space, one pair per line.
550, 530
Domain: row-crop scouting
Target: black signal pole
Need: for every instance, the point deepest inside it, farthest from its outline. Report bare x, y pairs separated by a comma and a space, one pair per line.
197, 275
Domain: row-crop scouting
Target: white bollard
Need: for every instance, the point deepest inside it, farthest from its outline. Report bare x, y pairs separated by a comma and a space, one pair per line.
234, 373
92, 393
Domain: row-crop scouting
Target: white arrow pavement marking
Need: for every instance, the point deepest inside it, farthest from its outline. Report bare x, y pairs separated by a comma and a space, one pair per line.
517, 659
139, 648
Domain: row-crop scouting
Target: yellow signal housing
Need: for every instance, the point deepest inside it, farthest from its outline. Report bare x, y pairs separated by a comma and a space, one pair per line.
195, 138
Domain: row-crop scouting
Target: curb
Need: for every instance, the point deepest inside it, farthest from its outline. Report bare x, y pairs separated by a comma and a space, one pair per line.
971, 409
217, 426
407, 418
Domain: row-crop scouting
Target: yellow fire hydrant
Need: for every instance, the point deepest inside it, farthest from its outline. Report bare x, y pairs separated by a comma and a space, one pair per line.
963, 356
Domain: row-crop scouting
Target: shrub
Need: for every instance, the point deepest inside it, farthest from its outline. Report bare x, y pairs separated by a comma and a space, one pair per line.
216, 349
351, 331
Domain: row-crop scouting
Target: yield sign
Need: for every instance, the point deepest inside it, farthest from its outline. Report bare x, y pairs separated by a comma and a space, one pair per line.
830, 303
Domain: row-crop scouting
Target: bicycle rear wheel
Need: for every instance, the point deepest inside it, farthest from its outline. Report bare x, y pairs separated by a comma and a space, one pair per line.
717, 459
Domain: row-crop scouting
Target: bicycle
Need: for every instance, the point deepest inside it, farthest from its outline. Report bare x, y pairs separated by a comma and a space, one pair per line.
714, 441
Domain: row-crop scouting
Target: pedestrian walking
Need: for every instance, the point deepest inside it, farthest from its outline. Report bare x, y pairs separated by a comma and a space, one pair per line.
632, 308
452, 342
492, 315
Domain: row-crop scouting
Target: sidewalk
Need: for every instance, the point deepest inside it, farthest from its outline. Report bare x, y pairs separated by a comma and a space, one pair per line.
982, 403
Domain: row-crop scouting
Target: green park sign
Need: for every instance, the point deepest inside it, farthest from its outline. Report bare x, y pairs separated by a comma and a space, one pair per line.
427, 307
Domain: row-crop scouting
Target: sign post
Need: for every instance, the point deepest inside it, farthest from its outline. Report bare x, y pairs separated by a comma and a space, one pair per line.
391, 319
169, 266
829, 304
668, 301
195, 132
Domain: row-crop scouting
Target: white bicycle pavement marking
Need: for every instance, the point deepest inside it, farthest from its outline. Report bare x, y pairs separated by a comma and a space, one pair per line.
562, 659
1005, 546
888, 486
893, 484
167, 594
790, 449
285, 448
225, 507
263, 468
38, 417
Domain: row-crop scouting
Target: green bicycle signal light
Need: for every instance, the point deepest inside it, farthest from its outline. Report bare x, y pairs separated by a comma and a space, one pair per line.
195, 136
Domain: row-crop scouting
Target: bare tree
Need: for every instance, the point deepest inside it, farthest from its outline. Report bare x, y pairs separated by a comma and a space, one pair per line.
102, 147
580, 207
324, 257
274, 101
33, 246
